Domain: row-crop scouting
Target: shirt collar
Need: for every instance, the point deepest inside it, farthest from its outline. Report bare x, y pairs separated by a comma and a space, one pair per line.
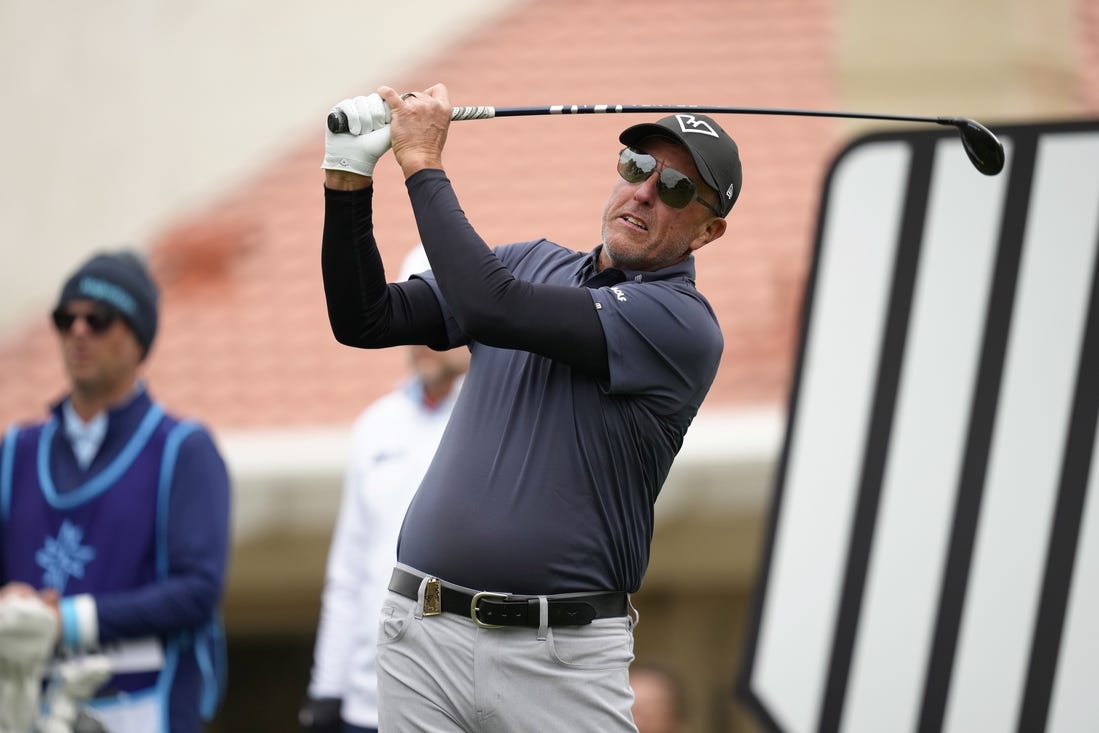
414, 390
587, 270
58, 408
85, 438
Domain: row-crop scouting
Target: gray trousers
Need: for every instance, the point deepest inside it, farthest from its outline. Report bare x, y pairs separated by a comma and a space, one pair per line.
444, 673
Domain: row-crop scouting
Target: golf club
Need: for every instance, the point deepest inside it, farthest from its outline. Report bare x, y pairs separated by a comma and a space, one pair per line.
981, 146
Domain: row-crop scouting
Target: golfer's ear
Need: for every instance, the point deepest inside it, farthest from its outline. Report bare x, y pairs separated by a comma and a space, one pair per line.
713, 231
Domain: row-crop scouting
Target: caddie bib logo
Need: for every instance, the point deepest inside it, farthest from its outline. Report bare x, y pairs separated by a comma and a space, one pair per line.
63, 557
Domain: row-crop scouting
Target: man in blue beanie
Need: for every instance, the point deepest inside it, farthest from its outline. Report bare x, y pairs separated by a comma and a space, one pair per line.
115, 513
120, 282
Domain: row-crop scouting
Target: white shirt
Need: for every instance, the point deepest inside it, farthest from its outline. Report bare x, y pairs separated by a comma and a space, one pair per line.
86, 437
392, 444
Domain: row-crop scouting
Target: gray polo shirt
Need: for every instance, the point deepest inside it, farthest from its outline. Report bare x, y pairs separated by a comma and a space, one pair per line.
545, 478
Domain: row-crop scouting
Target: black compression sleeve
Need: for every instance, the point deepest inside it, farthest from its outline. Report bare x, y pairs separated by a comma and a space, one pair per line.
491, 305
363, 310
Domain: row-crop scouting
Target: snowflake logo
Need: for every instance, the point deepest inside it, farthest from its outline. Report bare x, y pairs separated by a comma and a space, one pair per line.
63, 557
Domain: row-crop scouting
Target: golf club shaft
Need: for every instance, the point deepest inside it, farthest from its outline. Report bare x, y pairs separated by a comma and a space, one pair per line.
338, 123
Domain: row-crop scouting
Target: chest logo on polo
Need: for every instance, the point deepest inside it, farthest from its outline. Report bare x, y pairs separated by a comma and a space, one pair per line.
619, 294
63, 557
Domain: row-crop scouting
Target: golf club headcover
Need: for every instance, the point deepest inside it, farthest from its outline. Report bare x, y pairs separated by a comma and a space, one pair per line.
73, 683
28, 634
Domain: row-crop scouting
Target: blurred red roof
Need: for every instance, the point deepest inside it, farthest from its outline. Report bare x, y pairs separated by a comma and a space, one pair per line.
244, 341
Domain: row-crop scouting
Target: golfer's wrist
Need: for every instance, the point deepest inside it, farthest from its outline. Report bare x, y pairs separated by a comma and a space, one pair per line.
345, 181
414, 164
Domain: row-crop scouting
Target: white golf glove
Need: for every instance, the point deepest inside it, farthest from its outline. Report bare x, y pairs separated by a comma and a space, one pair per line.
367, 138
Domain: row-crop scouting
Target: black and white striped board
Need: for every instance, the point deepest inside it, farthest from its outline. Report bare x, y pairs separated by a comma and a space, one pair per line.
932, 560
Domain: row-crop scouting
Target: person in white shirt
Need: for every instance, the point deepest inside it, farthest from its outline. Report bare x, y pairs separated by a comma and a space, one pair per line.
392, 443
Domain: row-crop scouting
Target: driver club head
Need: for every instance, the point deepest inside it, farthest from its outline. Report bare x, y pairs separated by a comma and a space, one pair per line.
984, 150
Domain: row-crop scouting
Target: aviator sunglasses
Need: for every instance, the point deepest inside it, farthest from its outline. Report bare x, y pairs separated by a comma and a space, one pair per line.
98, 319
673, 188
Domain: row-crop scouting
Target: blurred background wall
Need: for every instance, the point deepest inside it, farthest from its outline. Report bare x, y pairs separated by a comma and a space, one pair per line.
194, 131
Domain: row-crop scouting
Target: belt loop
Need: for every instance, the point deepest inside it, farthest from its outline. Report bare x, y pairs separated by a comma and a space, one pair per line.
633, 614
420, 598
543, 618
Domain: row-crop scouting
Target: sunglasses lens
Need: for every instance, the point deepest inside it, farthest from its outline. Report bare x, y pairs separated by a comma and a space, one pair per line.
635, 167
99, 320
675, 189
63, 320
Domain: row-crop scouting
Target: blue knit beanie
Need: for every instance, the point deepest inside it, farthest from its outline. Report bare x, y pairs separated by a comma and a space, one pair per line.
121, 281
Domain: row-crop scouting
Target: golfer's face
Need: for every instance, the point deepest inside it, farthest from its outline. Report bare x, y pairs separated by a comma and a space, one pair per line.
640, 231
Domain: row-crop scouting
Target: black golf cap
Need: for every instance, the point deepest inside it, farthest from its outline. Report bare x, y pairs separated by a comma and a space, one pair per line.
715, 153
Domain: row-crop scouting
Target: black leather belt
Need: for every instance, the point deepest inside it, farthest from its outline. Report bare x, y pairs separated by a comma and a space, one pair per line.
492, 610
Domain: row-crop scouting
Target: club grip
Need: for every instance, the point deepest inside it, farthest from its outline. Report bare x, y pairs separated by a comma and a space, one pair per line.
337, 120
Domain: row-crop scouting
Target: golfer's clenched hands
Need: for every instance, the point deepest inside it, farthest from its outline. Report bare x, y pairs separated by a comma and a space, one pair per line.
419, 125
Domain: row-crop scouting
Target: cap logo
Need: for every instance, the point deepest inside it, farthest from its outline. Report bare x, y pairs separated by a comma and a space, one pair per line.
690, 123
98, 289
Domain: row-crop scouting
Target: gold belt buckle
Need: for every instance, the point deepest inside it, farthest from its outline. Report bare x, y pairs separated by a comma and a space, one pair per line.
433, 597
473, 609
